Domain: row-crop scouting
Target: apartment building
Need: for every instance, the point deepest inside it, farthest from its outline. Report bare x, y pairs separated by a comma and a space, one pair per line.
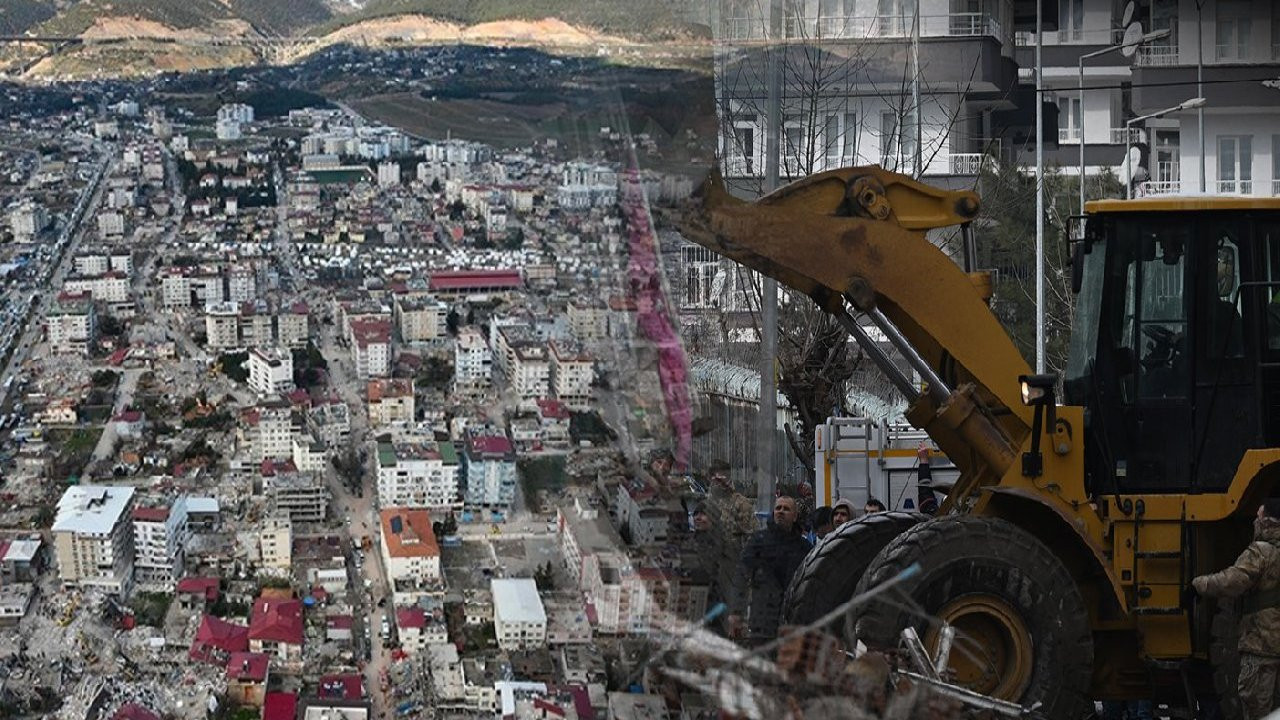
852, 103
420, 319
330, 422
418, 475
489, 471
301, 497
1238, 42
370, 341
572, 372
71, 323
222, 326
271, 371
160, 536
588, 319
273, 424
519, 619
93, 538
530, 374
390, 401
275, 541
292, 325
410, 554
110, 288
472, 361
28, 220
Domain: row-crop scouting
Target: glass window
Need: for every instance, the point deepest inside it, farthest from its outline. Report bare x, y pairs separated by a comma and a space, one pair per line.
1225, 326
1235, 164
1071, 20
1234, 26
850, 137
831, 140
889, 139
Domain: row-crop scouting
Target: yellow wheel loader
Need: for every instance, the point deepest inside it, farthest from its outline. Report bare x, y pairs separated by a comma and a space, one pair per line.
1084, 504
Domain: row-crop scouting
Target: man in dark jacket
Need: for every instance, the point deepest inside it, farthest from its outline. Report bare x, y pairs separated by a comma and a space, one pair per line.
1255, 576
769, 560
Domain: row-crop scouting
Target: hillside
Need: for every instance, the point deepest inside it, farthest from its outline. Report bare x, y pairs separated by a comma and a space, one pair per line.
635, 19
17, 16
270, 17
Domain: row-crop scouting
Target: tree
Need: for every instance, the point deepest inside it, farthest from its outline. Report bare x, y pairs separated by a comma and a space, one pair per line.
451, 322
1006, 244
435, 186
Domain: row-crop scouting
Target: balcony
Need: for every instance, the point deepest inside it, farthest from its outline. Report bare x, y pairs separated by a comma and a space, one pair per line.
865, 28
1235, 187
1123, 136
1115, 136
1157, 55
1068, 135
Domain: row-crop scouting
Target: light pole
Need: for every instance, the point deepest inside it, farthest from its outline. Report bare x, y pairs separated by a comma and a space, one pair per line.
1039, 187
1200, 88
1192, 104
1156, 35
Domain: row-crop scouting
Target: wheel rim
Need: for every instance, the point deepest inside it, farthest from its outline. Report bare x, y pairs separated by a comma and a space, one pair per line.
993, 651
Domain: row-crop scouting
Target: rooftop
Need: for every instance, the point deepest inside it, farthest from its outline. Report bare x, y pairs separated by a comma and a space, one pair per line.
389, 388
407, 533
91, 509
276, 620
21, 550
248, 666
517, 600
470, 279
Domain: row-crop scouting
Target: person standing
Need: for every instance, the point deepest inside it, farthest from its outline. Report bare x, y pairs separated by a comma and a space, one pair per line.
1255, 576
842, 512
768, 561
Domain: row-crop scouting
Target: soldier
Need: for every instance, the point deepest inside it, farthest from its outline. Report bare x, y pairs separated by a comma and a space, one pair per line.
1256, 576
732, 519
768, 561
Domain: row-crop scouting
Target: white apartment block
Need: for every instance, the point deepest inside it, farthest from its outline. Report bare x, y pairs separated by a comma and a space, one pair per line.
239, 112
110, 224
93, 538
588, 320
70, 323
271, 371
388, 174
864, 113
572, 372
160, 536
275, 540
222, 326
242, 285
292, 326
330, 422
410, 554
418, 475
183, 287
519, 619
390, 401
530, 372
370, 341
274, 437
472, 360
111, 288
299, 496
27, 220
420, 319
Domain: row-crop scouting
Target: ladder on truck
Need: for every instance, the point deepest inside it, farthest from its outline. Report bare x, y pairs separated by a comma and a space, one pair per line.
860, 458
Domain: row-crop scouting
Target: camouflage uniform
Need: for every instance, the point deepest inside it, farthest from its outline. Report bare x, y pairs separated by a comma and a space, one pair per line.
1256, 576
733, 520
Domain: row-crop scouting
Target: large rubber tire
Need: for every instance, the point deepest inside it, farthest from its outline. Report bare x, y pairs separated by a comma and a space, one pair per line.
986, 563
1224, 658
831, 571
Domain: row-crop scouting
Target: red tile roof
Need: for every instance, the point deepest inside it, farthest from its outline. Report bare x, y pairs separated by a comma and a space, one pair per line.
411, 617
474, 279
279, 706
549, 408
207, 586
134, 711
490, 445
276, 621
415, 538
248, 666
217, 639
341, 687
341, 622
151, 514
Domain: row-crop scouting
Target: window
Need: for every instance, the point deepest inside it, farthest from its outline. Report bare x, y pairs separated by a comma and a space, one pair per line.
1275, 164
1070, 20
889, 139
1164, 16
794, 145
1069, 111
1234, 26
742, 146
1235, 164
831, 140
849, 140
895, 17
1168, 154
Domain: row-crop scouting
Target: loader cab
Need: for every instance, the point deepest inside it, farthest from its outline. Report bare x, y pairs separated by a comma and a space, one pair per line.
1175, 347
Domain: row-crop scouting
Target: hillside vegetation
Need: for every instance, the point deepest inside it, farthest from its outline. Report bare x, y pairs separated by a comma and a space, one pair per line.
17, 16
637, 19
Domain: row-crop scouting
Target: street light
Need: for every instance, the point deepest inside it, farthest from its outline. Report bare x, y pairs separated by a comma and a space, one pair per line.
1191, 104
1126, 45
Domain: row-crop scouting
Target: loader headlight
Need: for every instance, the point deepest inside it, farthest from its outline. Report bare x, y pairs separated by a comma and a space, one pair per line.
1037, 388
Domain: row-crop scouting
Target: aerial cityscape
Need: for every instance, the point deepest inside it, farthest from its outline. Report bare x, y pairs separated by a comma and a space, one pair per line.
659, 360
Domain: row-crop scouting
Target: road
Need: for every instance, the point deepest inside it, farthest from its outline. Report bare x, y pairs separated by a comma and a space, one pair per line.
75, 233
124, 396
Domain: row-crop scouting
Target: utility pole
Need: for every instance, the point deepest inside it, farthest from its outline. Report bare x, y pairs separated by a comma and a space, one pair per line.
917, 160
1040, 186
767, 420
1200, 89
